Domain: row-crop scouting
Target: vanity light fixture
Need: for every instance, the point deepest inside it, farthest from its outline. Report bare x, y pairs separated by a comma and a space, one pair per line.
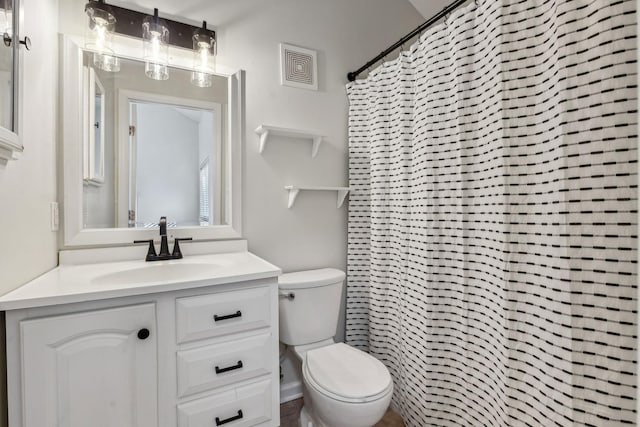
155, 40
157, 34
204, 51
102, 24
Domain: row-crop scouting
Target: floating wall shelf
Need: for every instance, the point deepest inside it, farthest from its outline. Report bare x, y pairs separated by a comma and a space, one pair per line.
294, 190
265, 131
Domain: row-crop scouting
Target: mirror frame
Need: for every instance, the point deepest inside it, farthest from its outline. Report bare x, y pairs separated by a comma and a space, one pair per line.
10, 142
72, 132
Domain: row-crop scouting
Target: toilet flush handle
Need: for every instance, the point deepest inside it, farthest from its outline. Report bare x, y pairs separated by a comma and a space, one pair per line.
288, 295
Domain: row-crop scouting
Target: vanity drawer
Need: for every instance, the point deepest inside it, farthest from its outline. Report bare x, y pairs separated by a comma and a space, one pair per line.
217, 314
244, 406
217, 365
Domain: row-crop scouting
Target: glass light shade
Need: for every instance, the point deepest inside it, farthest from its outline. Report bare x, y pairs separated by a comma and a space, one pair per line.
102, 24
204, 48
155, 39
201, 79
106, 62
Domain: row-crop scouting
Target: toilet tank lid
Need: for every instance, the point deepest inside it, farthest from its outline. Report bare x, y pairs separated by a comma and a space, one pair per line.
310, 278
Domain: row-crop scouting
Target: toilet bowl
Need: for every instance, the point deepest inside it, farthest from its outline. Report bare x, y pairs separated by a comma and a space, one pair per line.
343, 386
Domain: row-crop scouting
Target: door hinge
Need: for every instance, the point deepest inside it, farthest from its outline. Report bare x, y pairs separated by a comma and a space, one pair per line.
132, 130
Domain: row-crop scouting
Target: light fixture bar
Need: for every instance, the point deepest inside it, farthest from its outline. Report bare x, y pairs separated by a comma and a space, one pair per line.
129, 22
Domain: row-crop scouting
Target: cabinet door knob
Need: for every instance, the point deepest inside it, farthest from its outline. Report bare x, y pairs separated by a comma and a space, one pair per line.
143, 333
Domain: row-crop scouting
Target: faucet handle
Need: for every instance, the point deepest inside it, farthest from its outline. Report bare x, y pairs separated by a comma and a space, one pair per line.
177, 254
151, 253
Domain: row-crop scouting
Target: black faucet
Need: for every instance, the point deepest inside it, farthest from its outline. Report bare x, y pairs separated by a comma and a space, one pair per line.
164, 245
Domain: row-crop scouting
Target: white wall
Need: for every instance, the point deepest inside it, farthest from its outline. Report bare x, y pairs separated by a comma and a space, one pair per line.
346, 34
28, 185
28, 247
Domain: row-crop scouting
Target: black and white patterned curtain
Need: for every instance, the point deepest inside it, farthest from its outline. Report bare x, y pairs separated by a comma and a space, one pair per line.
493, 216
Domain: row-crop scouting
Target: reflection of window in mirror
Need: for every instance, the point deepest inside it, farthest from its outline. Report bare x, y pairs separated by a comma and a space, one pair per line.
205, 212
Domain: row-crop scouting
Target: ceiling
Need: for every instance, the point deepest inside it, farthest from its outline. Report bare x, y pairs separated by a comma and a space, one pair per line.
217, 13
224, 12
428, 8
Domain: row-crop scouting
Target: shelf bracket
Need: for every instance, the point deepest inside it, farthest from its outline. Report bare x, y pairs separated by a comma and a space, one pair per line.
263, 140
317, 140
293, 193
341, 196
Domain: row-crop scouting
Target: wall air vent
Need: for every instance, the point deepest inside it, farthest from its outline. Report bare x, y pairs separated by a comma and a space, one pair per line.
298, 67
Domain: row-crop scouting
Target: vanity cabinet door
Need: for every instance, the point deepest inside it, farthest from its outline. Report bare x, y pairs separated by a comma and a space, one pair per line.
97, 368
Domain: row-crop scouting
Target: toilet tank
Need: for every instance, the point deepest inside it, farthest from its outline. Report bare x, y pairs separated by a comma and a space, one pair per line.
311, 315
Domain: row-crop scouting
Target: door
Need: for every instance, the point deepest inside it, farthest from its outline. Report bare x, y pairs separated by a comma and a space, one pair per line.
97, 368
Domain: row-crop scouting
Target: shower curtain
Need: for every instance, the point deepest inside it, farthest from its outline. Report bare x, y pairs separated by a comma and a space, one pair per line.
493, 216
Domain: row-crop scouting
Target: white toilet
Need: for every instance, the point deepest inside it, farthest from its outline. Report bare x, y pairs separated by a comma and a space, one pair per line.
343, 386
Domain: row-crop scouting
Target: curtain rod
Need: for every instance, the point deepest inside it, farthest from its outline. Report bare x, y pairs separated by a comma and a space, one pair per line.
352, 75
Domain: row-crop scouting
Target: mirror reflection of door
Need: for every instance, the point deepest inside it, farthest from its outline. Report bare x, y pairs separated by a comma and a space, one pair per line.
170, 162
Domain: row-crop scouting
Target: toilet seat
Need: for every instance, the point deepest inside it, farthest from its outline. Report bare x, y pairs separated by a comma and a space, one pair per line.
346, 374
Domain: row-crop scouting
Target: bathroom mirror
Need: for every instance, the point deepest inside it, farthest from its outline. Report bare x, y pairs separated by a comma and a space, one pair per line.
143, 148
10, 143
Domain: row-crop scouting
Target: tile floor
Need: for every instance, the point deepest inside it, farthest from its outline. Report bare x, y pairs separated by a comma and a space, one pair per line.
290, 413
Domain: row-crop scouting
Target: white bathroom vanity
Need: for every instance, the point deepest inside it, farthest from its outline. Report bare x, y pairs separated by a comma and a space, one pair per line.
188, 343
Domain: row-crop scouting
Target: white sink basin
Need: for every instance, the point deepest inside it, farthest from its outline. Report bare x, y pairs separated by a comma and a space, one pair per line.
157, 273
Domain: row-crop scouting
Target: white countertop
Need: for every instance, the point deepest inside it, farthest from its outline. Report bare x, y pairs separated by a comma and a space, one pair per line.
76, 283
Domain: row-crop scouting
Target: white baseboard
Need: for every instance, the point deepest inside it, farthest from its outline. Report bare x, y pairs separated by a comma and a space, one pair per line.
290, 391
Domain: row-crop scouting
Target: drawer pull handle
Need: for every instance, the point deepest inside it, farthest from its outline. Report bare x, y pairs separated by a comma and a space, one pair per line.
219, 422
217, 318
229, 368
